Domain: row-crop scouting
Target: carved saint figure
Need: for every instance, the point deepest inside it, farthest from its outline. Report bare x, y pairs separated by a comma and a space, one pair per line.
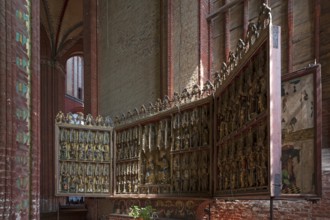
150, 171
81, 187
193, 180
63, 151
164, 170
177, 181
90, 184
64, 177
251, 167
89, 152
186, 178
105, 186
81, 152
203, 179
241, 161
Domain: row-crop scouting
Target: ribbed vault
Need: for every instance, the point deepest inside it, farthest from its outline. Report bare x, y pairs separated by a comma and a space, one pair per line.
63, 22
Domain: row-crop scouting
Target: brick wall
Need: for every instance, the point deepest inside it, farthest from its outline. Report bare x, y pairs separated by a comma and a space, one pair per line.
129, 54
72, 105
282, 209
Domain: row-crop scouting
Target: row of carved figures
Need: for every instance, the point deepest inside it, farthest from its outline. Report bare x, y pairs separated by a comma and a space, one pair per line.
152, 168
80, 119
84, 145
243, 162
191, 172
186, 130
70, 135
81, 177
243, 46
128, 168
127, 184
191, 128
125, 151
166, 103
155, 167
245, 98
85, 152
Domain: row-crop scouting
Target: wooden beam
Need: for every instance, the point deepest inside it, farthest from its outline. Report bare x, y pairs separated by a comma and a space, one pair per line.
199, 44
163, 48
290, 35
245, 17
227, 32
170, 67
223, 9
317, 9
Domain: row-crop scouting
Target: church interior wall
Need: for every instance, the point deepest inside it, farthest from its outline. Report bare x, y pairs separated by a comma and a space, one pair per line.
129, 54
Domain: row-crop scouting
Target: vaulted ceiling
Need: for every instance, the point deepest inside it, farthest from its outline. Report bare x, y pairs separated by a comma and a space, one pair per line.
63, 22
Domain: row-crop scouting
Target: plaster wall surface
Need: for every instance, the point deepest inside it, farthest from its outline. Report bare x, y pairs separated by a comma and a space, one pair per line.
129, 54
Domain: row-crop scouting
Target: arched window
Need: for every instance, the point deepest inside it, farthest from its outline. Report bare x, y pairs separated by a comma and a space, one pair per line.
75, 77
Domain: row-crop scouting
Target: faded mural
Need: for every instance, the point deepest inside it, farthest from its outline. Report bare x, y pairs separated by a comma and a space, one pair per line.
298, 135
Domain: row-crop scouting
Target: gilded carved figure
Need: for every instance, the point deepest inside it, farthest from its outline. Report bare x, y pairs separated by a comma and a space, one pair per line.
252, 35
164, 170
196, 92
186, 179
150, 171
205, 122
185, 95
224, 72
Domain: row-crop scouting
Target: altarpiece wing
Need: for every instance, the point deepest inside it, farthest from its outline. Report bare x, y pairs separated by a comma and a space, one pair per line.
83, 154
247, 115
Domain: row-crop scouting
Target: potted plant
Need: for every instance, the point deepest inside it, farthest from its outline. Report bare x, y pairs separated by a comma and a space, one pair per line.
134, 211
141, 212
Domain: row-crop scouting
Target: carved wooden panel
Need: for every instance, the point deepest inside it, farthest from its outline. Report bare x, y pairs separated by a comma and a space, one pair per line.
247, 136
83, 150
166, 149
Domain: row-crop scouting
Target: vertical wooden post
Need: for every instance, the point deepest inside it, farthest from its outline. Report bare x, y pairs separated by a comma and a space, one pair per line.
227, 31
170, 67
290, 35
275, 110
166, 79
245, 17
317, 11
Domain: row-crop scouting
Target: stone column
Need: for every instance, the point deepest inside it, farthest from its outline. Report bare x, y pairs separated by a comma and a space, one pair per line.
90, 58
52, 101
